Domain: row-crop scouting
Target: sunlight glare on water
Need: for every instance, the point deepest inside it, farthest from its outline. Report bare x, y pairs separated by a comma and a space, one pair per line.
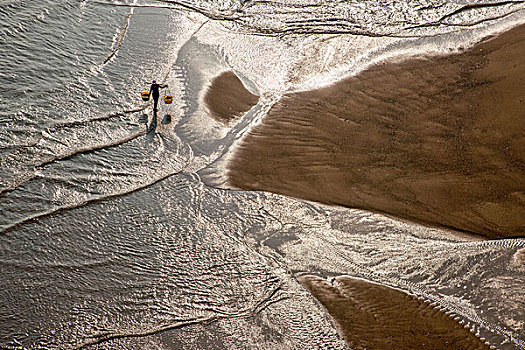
115, 231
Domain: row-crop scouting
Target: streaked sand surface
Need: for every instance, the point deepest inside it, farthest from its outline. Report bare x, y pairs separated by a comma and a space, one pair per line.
439, 140
372, 316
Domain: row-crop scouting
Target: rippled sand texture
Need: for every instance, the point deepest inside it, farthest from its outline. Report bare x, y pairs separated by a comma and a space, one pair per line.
227, 98
372, 316
438, 140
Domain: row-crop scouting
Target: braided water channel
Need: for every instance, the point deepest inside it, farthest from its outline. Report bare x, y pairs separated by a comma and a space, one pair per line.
117, 226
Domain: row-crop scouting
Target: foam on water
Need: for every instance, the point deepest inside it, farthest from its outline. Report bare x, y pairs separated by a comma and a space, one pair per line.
311, 54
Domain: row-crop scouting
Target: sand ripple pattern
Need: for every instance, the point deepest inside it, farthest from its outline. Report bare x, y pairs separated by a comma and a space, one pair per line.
110, 239
156, 264
457, 276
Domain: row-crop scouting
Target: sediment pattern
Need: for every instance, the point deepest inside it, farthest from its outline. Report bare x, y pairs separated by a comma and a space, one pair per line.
436, 139
373, 316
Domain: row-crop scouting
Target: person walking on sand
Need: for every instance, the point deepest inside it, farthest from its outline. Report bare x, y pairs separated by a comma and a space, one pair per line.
155, 89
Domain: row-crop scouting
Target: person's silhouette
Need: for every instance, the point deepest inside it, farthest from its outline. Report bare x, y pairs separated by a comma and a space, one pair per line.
156, 94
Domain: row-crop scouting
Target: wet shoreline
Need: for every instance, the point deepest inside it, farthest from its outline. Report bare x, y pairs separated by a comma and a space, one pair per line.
120, 231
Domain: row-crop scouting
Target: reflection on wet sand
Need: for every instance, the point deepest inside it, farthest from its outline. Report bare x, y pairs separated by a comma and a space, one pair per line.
438, 140
372, 316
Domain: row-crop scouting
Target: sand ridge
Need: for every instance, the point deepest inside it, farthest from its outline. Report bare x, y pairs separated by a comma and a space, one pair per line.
373, 316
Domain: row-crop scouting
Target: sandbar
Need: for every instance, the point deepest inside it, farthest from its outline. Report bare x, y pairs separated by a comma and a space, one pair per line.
227, 98
438, 140
373, 316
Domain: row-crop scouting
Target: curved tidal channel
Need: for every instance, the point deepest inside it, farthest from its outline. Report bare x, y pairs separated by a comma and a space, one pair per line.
329, 175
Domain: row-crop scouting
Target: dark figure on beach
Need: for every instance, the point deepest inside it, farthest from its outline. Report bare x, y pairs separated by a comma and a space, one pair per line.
155, 89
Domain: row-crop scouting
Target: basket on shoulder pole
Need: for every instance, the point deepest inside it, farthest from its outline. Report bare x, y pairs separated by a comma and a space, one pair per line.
168, 98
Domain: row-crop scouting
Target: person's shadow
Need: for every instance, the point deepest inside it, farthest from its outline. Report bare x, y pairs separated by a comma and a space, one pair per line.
167, 119
153, 124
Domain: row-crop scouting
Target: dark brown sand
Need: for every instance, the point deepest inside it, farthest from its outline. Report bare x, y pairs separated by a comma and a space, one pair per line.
371, 316
227, 98
438, 140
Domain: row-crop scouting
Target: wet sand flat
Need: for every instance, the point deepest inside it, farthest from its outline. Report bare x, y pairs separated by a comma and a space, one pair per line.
372, 316
438, 140
227, 98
